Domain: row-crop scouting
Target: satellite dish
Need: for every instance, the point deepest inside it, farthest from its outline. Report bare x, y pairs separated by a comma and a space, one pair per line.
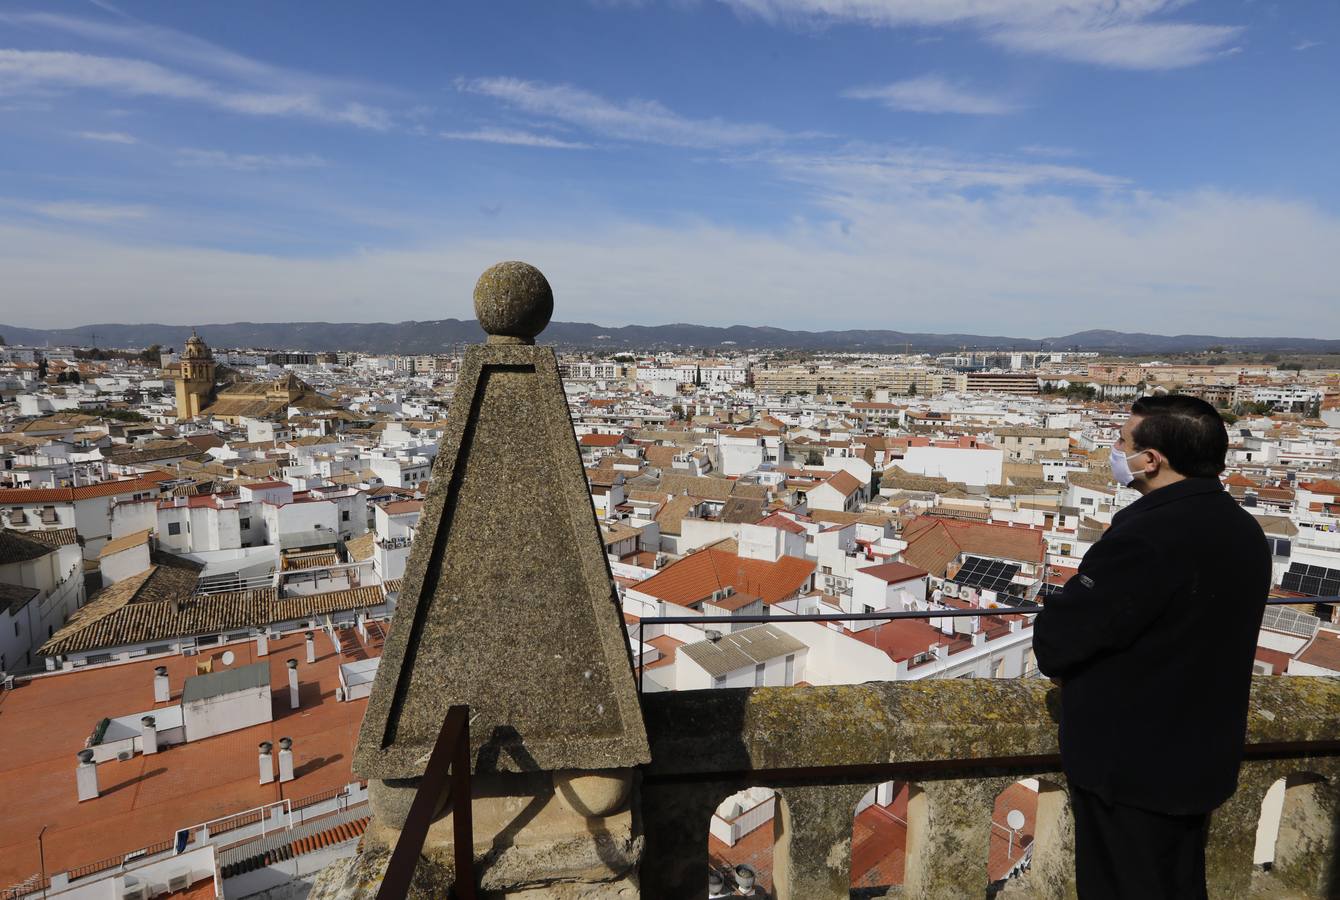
1015, 819
228, 657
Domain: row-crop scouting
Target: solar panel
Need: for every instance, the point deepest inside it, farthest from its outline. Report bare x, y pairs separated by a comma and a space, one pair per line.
1290, 621
1315, 581
987, 574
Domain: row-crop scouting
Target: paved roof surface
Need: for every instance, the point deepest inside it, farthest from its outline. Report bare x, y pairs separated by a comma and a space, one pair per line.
144, 799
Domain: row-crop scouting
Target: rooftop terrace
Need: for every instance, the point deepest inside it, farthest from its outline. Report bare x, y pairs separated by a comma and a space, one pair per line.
46, 721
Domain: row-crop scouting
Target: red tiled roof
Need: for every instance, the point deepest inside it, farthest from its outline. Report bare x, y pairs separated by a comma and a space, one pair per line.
18, 496
697, 575
782, 522
602, 440
844, 482
400, 507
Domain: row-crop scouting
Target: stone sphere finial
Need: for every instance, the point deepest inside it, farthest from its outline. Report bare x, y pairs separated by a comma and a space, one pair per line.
513, 302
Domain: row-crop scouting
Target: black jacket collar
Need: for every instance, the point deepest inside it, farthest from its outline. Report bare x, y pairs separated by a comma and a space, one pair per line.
1187, 487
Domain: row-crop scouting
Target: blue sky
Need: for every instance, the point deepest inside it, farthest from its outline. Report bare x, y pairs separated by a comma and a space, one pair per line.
1026, 167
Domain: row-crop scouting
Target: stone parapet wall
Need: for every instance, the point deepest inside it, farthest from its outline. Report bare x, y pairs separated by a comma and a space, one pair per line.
959, 743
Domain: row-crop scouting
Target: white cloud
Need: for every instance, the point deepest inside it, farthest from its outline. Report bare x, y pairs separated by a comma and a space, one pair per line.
1116, 33
875, 172
1307, 45
90, 213
513, 137
1034, 264
932, 94
245, 162
632, 120
1133, 46
187, 49
1052, 150
38, 70
109, 137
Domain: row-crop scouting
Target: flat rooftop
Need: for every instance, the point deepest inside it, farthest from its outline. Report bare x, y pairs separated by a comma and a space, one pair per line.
144, 799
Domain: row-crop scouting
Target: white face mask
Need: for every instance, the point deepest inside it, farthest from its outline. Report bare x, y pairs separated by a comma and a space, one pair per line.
1121, 469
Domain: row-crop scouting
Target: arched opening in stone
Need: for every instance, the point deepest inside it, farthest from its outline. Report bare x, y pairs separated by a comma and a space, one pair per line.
1014, 825
879, 839
1295, 826
740, 842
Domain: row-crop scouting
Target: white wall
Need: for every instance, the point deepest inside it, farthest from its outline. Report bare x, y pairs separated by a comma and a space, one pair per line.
218, 715
968, 465
835, 658
120, 566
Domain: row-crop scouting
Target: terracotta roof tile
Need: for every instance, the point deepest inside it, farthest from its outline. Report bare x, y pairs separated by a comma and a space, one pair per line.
697, 575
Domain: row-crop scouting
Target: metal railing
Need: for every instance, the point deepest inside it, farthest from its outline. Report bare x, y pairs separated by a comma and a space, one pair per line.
887, 615
450, 759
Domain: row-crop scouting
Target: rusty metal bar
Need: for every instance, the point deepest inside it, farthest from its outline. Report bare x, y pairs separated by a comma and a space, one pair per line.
450, 758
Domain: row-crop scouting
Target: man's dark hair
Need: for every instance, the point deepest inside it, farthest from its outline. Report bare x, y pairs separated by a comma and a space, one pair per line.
1187, 430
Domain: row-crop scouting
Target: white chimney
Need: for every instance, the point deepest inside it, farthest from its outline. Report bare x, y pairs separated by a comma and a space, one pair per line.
86, 776
311, 647
161, 692
267, 763
285, 759
148, 735
363, 625
292, 684
262, 644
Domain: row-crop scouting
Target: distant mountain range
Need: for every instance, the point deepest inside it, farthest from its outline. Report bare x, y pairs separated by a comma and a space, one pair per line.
436, 336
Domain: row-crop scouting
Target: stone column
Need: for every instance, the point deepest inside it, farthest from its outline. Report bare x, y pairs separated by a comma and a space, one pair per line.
677, 835
948, 836
1232, 842
811, 856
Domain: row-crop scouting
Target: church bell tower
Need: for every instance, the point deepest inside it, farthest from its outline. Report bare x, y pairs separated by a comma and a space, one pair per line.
195, 382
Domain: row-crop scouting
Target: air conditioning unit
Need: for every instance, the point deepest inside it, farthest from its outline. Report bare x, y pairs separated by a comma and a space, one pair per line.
135, 892
179, 882
727, 591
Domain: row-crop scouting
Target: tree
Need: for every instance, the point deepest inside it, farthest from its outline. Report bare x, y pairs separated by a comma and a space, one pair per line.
75, 377
63, 378
1216, 360
42, 368
869, 395
814, 458
1228, 417
1271, 358
677, 410
1290, 367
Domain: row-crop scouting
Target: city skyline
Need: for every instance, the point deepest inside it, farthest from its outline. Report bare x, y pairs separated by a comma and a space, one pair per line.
1044, 170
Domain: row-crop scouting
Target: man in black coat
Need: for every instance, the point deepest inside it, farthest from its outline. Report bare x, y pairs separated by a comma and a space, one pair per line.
1153, 641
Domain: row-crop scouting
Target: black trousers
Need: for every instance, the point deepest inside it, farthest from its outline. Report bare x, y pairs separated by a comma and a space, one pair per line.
1125, 853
